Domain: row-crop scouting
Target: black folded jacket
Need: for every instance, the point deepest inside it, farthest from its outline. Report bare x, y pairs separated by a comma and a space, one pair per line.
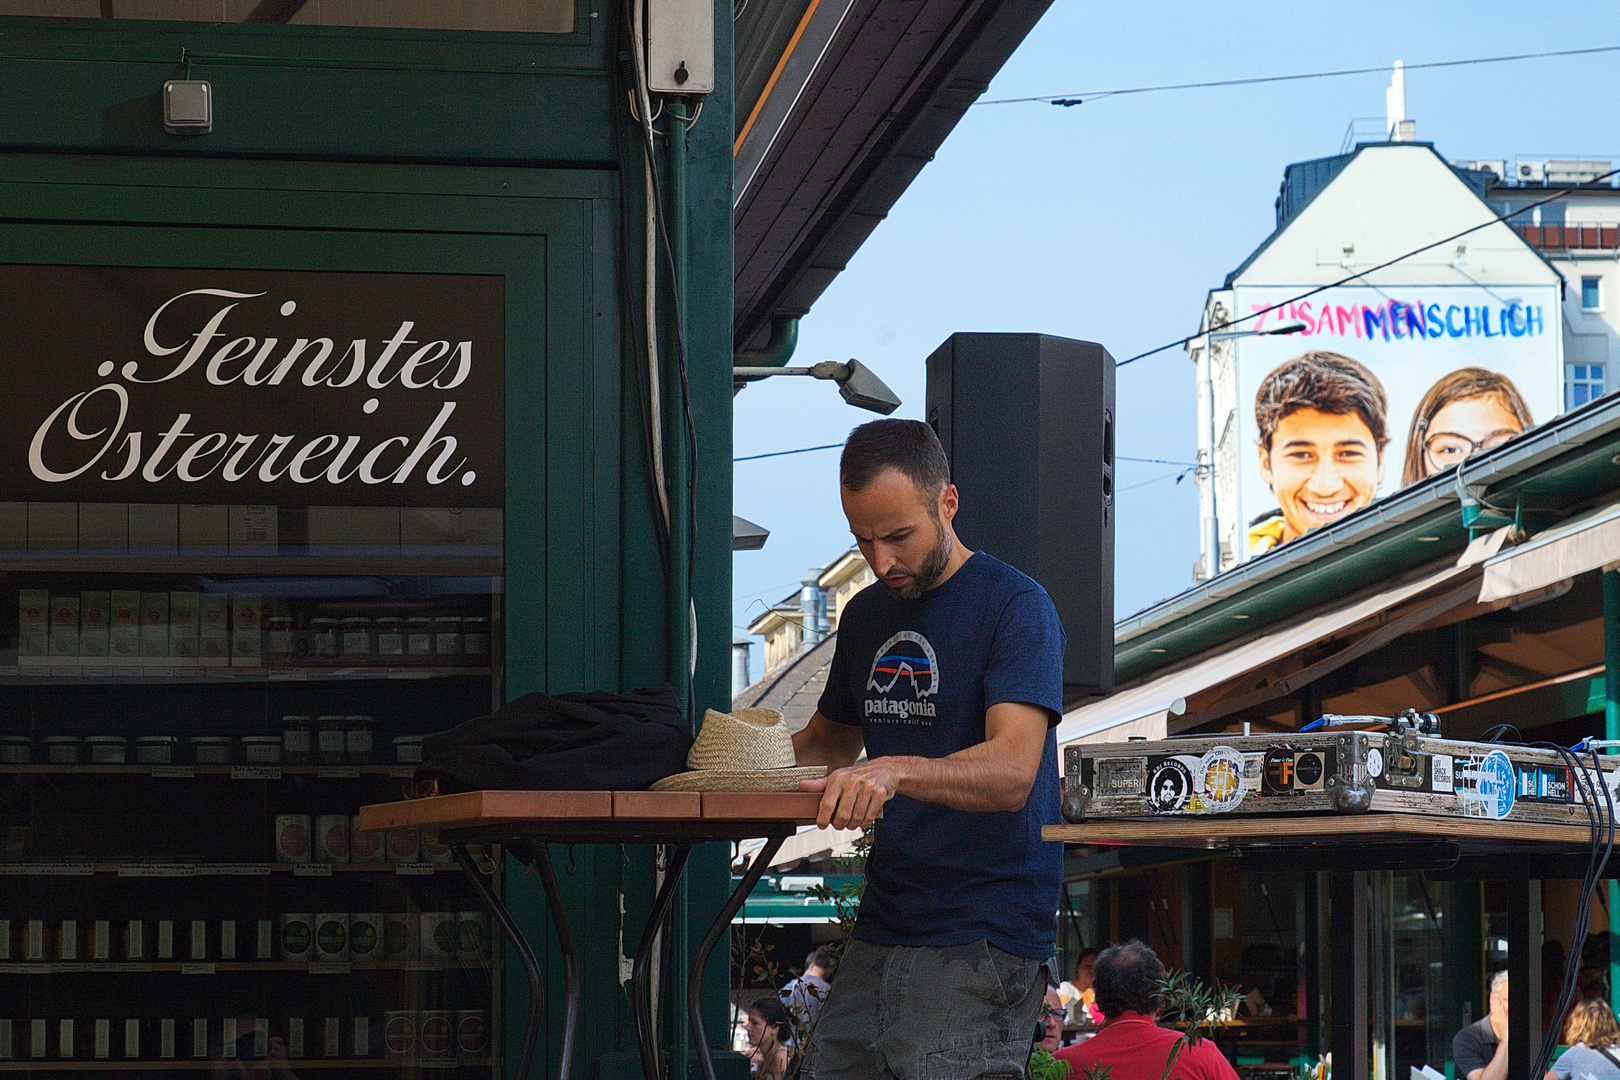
574, 742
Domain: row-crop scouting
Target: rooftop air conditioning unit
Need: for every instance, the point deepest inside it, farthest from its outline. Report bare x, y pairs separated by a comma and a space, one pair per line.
1531, 172
1575, 171
1497, 169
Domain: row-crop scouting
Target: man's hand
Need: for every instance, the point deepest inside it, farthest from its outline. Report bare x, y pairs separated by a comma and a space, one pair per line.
991, 776
853, 798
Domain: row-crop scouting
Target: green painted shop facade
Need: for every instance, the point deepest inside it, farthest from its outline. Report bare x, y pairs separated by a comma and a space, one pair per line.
464, 152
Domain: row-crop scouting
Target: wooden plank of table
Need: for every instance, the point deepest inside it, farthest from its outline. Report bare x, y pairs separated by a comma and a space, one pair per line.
1214, 832
657, 805
471, 809
800, 806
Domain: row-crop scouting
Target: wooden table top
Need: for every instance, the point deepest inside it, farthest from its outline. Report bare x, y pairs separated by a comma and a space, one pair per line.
550, 809
1219, 831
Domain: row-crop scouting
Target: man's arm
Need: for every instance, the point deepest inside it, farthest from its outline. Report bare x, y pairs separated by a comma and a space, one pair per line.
993, 775
1496, 1068
827, 742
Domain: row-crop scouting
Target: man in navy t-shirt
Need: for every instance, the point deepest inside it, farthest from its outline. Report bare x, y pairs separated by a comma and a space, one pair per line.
949, 674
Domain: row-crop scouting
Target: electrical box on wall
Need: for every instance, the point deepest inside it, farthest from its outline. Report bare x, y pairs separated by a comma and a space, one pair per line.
188, 107
680, 46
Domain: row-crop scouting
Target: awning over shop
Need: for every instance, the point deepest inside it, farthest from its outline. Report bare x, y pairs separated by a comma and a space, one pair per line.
785, 911
1588, 542
1145, 709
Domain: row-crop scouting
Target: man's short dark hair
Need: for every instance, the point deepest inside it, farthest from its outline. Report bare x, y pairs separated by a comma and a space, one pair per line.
1128, 978
1328, 382
908, 445
824, 957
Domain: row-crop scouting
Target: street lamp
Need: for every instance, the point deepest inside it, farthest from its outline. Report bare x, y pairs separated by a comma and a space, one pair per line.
1285, 328
856, 382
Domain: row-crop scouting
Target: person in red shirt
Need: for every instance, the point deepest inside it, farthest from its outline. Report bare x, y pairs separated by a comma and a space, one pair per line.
1130, 1043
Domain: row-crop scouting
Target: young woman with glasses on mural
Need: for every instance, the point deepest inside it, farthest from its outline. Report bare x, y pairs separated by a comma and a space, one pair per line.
1465, 412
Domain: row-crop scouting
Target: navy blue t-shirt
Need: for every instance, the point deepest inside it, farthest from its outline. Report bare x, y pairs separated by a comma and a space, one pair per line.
917, 677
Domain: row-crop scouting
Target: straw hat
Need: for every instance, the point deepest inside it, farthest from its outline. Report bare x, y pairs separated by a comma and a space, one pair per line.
743, 750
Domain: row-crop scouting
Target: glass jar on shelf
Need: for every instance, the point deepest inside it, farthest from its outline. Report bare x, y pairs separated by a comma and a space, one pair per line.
419, 639
356, 641
390, 639
475, 639
323, 639
447, 643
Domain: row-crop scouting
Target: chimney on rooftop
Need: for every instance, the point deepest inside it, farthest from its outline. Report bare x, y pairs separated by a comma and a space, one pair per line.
1397, 127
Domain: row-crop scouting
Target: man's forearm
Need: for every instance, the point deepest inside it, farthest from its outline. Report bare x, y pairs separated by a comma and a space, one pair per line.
977, 780
1497, 1067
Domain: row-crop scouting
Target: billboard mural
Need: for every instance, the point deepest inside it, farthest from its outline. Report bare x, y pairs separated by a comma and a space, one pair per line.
1380, 388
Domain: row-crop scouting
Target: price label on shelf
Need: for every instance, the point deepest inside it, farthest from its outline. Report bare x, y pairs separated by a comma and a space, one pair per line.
25, 969
338, 772
245, 869
402, 772
59, 869
286, 675
173, 772
413, 869
334, 967
68, 969
312, 870
197, 969
255, 772
148, 870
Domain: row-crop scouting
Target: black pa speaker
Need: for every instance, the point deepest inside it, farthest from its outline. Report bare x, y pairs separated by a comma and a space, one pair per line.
1027, 422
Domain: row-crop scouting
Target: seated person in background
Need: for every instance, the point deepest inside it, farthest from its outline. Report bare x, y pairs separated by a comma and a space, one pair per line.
770, 1038
1593, 1038
1051, 1022
1078, 995
1130, 1042
1480, 1049
803, 996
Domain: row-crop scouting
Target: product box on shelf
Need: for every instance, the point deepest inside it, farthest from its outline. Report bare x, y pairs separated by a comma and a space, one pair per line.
247, 619
183, 611
95, 625
65, 625
154, 626
33, 625
124, 634
213, 630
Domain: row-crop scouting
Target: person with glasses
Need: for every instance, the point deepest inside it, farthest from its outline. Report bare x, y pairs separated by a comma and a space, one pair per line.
1465, 412
1052, 1017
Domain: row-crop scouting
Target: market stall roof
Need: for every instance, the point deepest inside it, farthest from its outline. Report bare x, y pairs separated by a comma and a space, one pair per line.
839, 105
1562, 467
1590, 541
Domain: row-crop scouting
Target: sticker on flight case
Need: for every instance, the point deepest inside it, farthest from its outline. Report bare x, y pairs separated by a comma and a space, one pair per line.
1544, 784
1254, 771
1440, 774
1170, 787
1121, 776
1487, 786
1375, 761
1221, 779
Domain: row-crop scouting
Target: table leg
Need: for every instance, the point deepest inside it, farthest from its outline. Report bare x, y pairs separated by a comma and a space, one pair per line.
531, 967
565, 938
700, 959
640, 990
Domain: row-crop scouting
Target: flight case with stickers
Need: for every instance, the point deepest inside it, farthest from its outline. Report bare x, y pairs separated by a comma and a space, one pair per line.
1402, 769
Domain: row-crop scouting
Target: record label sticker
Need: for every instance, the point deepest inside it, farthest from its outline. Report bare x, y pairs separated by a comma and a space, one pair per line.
1170, 787
1441, 777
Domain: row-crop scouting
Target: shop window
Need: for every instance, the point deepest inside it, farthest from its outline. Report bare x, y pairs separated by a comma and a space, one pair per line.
1591, 294
1585, 383
519, 16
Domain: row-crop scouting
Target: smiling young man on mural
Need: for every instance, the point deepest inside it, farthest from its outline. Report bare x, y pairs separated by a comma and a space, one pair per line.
1322, 428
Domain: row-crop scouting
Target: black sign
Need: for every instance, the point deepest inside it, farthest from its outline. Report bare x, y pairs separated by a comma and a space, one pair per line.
251, 387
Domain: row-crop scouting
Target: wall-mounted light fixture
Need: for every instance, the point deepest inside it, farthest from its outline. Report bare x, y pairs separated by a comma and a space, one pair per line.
856, 382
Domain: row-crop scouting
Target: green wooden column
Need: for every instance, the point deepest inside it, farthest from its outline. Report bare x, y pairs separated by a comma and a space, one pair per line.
1611, 730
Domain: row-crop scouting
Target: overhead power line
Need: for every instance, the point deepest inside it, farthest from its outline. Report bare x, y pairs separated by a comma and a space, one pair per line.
1360, 274
1093, 95
835, 446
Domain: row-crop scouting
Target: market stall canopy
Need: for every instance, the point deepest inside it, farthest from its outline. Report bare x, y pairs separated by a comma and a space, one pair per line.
1588, 542
839, 105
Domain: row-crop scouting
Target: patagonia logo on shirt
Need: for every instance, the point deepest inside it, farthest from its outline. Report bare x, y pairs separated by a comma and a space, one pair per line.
905, 672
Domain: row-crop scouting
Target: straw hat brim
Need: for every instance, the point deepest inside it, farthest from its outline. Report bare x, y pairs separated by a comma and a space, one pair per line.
752, 780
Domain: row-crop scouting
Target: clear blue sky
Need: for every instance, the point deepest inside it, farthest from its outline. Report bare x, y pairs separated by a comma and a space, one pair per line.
1110, 221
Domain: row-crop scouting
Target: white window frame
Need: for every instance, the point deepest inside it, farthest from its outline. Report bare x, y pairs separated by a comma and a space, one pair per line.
1598, 278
